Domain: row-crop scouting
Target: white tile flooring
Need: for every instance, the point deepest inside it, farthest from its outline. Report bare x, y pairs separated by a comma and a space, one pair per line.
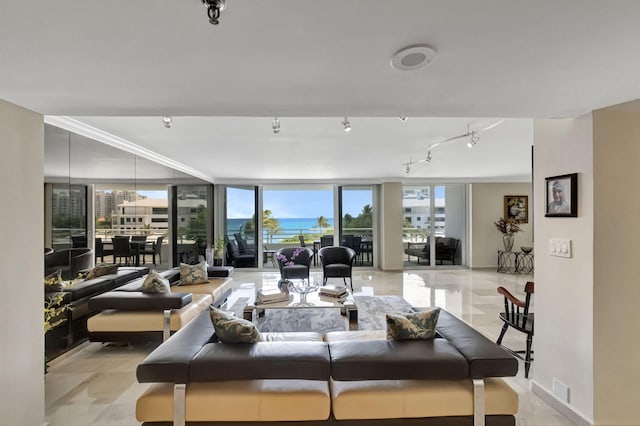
96, 385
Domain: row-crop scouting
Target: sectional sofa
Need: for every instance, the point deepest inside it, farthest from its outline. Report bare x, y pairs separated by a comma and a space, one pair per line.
342, 378
126, 314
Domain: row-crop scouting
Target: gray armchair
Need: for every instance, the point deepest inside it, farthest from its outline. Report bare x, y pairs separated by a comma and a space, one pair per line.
294, 267
337, 262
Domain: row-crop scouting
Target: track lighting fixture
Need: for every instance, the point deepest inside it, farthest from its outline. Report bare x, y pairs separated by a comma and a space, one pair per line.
428, 159
214, 7
408, 168
275, 125
346, 124
403, 119
168, 122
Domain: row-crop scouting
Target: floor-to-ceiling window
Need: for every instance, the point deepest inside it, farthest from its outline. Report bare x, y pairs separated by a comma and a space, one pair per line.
357, 219
241, 226
193, 226
434, 216
68, 216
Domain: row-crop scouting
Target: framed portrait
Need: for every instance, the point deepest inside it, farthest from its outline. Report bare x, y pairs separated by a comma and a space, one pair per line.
562, 196
516, 207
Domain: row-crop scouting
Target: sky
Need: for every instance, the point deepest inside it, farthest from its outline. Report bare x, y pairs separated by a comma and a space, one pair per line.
295, 203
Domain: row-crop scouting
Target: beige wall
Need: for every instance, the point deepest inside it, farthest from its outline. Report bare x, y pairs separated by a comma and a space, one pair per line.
21, 315
391, 253
487, 206
616, 287
564, 287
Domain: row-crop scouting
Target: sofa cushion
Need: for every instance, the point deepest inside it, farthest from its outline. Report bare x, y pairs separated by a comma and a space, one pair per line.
271, 401
219, 271
417, 326
100, 270
193, 274
485, 358
262, 360
231, 329
432, 359
133, 301
86, 288
389, 399
155, 283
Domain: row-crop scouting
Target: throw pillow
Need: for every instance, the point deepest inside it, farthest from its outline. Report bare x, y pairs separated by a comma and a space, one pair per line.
155, 283
193, 274
230, 329
418, 326
100, 270
53, 282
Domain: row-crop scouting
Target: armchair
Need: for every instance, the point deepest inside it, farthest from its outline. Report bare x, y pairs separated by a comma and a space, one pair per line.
337, 262
294, 266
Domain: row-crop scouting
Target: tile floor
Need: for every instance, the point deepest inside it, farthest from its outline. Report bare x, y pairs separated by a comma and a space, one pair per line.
96, 385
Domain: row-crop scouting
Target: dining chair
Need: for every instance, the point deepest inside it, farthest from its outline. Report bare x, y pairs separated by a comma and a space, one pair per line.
121, 248
517, 315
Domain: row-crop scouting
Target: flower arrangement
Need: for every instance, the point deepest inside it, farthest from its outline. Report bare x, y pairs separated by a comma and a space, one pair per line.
289, 262
507, 226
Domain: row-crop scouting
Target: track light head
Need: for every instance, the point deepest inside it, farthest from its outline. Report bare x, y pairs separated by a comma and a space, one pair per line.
403, 119
407, 168
275, 125
168, 122
214, 7
346, 124
428, 159
473, 139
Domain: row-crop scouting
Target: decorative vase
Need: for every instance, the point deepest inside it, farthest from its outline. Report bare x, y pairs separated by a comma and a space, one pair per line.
507, 240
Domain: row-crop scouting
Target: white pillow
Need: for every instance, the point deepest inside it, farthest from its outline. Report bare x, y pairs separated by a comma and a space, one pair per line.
155, 283
193, 274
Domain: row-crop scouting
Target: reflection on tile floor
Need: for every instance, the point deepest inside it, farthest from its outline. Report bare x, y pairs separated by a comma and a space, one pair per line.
96, 385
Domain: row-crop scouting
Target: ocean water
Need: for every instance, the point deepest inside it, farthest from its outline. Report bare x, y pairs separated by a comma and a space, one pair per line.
288, 227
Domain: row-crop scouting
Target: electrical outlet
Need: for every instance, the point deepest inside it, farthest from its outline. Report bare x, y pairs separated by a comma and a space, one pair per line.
560, 390
559, 247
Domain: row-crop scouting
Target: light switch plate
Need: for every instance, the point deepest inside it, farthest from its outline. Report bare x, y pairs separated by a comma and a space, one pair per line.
559, 247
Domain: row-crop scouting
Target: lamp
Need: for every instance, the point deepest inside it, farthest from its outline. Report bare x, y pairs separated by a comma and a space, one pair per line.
275, 125
214, 7
168, 122
346, 124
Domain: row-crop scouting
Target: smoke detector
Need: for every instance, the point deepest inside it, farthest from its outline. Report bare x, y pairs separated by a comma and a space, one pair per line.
412, 58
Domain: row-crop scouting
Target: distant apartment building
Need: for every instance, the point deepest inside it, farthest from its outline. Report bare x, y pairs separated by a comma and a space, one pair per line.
106, 201
153, 213
417, 205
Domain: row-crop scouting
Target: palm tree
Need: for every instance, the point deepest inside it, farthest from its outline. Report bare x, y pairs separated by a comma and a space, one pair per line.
271, 224
322, 222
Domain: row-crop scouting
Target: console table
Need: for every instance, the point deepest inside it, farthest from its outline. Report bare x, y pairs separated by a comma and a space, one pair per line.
515, 262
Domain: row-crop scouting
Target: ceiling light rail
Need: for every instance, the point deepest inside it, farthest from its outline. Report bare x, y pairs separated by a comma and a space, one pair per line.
473, 136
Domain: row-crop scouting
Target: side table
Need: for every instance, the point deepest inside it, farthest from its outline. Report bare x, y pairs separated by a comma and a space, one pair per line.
515, 262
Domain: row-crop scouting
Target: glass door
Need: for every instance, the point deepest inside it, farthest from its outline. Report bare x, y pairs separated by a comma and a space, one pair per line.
434, 216
241, 226
356, 224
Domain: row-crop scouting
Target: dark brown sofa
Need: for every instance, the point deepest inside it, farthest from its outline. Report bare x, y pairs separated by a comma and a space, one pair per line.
352, 378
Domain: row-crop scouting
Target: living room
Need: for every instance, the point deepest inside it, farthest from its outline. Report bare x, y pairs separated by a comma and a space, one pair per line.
576, 297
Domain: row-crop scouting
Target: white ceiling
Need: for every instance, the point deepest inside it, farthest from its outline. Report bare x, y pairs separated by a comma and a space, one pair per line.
304, 59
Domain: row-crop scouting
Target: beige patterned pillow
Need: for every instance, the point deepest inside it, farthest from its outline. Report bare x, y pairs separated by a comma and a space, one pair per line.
230, 329
155, 283
193, 274
100, 270
418, 326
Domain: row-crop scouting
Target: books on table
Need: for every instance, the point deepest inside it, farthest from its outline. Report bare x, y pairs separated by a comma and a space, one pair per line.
333, 290
265, 296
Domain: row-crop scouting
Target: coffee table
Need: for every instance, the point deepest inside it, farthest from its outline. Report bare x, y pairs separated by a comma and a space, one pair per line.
346, 304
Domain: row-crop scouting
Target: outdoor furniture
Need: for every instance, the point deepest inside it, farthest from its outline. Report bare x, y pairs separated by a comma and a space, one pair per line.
155, 249
315, 251
121, 248
237, 259
69, 261
516, 314
326, 241
78, 241
301, 263
101, 252
337, 262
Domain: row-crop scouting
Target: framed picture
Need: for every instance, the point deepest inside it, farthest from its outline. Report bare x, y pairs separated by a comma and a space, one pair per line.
562, 196
516, 207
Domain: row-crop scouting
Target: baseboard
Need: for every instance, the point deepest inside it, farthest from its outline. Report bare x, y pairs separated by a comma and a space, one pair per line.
569, 412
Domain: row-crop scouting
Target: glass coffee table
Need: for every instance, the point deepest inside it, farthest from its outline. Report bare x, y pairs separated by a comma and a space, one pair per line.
296, 300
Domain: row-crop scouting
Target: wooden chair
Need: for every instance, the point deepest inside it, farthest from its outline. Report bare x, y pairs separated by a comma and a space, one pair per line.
516, 314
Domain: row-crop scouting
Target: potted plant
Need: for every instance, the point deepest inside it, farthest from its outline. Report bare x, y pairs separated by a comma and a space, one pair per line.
218, 252
507, 227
